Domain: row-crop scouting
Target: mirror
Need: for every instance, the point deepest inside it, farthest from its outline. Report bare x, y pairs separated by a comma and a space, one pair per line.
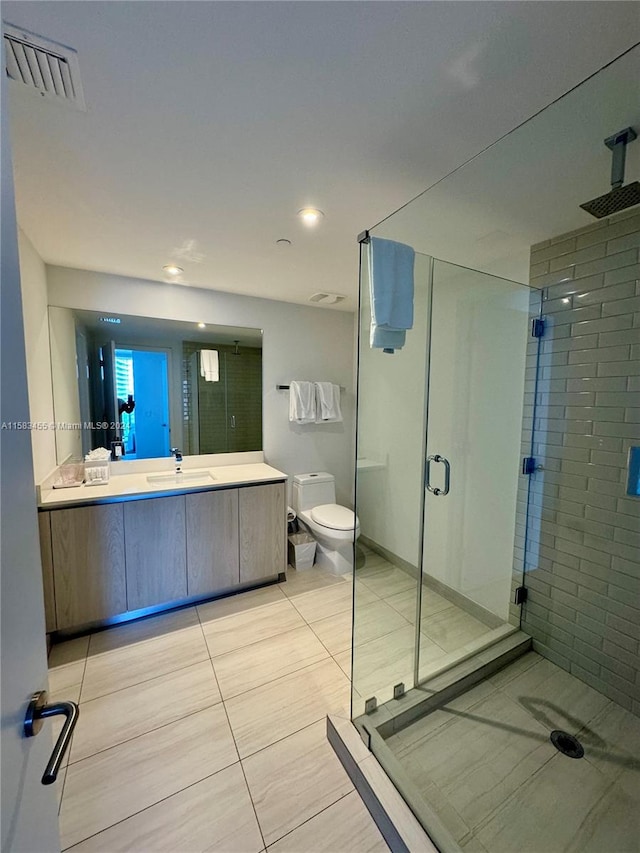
142, 385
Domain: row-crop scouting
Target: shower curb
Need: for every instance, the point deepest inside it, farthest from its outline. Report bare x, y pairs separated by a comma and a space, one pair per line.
393, 817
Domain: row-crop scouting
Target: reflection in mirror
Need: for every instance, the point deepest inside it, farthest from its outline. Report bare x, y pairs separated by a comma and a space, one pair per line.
140, 385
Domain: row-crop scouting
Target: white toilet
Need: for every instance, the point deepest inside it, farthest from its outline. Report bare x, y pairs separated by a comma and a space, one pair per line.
331, 525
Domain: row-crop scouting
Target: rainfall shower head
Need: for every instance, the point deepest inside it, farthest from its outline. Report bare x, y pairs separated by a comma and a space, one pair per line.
619, 198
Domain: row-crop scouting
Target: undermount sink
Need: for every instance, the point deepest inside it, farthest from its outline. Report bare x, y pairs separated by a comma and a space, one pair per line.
181, 478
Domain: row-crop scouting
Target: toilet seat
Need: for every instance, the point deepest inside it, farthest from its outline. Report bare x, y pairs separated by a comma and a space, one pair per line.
334, 517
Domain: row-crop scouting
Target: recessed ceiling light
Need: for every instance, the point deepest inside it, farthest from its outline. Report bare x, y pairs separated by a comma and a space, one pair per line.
172, 269
202, 325
310, 215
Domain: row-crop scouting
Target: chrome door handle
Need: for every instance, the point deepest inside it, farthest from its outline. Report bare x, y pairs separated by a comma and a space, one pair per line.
447, 475
37, 712
233, 421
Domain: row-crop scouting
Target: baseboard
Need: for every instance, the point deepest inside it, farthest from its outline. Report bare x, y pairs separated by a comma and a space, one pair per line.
453, 595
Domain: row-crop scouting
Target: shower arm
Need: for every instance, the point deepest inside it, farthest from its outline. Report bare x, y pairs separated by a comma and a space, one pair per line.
617, 144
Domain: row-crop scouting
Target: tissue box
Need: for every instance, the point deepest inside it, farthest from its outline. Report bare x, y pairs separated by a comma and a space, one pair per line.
96, 472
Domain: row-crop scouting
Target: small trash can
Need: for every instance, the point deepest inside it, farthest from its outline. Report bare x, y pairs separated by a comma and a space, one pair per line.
302, 551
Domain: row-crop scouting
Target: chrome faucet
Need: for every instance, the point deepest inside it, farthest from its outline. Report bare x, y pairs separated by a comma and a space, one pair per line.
178, 454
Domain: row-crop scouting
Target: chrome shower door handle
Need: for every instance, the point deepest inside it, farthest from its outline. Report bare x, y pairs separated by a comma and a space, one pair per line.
233, 421
447, 475
37, 711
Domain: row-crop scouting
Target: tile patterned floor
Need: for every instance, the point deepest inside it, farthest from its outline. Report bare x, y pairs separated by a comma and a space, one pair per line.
385, 631
204, 729
485, 763
217, 712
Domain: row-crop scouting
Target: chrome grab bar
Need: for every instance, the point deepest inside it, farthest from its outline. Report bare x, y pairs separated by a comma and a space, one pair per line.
447, 475
37, 711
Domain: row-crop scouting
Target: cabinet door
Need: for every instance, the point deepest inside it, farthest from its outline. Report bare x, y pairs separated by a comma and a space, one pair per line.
156, 551
213, 556
263, 531
46, 555
88, 563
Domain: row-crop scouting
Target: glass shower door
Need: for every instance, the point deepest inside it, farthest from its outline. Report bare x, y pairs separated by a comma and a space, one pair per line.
477, 344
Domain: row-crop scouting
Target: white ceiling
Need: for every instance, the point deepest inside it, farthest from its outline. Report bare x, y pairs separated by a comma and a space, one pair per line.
210, 124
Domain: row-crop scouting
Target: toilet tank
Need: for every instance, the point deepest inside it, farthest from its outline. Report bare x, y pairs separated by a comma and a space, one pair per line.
311, 490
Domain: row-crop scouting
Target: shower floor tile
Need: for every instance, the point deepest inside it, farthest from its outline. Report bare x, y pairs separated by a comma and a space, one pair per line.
485, 763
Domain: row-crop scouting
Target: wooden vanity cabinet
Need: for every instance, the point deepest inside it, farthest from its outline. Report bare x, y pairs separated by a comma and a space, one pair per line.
102, 561
156, 551
213, 558
88, 564
263, 531
46, 556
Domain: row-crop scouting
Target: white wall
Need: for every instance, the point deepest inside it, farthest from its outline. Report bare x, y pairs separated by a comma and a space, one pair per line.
36, 334
479, 336
64, 372
298, 343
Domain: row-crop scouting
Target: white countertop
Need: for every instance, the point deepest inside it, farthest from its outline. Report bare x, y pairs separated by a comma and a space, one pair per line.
122, 487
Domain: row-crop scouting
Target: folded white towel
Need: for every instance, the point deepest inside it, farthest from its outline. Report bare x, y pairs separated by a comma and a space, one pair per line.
327, 403
209, 365
391, 286
302, 402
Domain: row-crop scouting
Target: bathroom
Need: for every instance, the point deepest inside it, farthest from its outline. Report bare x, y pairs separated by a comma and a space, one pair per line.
309, 649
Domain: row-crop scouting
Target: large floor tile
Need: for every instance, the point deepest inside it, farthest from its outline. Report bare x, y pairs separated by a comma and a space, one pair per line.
299, 583
386, 580
68, 651
243, 602
119, 782
140, 630
372, 620
375, 620
135, 662
481, 758
612, 741
268, 660
213, 815
405, 603
452, 628
334, 632
508, 673
344, 826
413, 736
67, 664
294, 779
557, 699
321, 603
385, 661
567, 805
266, 714
128, 713
226, 633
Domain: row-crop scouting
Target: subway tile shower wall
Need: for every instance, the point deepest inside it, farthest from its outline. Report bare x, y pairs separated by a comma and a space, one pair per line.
582, 541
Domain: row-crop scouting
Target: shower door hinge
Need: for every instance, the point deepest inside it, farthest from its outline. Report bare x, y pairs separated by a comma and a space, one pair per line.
529, 465
522, 594
370, 705
537, 328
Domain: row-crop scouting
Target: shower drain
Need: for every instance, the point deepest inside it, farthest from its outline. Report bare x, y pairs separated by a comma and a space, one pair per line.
567, 744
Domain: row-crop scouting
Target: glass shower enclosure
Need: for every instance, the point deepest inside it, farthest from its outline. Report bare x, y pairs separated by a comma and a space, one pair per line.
495, 672
439, 451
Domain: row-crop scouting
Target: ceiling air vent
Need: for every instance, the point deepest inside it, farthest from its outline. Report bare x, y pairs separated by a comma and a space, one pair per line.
48, 69
327, 298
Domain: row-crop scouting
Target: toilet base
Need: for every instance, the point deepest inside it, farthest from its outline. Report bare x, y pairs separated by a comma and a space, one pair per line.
338, 562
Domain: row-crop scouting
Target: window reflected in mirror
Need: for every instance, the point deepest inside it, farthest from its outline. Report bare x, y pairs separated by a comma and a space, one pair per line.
146, 385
